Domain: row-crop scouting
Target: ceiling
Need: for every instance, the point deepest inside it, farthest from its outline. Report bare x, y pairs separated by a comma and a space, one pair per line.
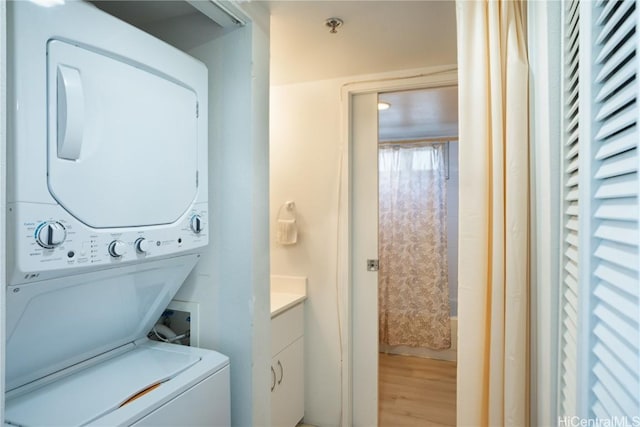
377, 36
427, 113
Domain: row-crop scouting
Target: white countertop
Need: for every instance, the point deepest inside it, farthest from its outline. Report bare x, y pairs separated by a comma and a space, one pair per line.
281, 301
287, 292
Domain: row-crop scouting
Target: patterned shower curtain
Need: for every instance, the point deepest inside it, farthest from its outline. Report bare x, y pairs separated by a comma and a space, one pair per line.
413, 275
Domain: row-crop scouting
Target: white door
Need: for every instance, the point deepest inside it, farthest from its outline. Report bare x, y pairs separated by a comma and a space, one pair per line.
364, 220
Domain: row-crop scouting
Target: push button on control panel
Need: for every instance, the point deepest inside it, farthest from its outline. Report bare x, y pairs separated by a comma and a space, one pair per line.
50, 234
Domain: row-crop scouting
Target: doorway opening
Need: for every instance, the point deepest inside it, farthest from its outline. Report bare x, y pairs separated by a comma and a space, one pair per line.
359, 225
417, 250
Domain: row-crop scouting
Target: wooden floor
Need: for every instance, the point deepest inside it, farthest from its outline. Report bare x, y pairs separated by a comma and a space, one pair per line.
414, 391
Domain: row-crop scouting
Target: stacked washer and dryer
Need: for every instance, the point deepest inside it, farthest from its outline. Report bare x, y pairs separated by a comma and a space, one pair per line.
107, 215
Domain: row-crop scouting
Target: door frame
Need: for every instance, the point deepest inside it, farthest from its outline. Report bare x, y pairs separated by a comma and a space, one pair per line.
398, 81
3, 192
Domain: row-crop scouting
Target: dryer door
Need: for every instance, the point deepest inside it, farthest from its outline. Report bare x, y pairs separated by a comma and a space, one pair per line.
122, 143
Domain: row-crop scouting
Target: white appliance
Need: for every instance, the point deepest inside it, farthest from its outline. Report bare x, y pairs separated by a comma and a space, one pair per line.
107, 215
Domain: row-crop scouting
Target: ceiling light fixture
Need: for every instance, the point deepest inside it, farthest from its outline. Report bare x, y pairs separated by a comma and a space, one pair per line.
333, 23
383, 106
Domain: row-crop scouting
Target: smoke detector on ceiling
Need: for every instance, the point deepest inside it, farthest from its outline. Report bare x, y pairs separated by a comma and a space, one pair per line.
333, 23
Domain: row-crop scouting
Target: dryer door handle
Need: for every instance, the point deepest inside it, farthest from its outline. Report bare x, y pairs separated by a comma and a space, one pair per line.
70, 113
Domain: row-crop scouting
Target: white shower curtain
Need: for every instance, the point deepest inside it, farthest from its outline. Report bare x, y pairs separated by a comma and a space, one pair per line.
413, 281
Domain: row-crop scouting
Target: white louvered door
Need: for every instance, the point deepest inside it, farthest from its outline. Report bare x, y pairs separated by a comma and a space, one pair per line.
599, 369
612, 344
569, 284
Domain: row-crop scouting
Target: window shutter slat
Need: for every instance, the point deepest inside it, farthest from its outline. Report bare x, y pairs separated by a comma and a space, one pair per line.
615, 298
620, 55
616, 123
569, 292
610, 382
617, 254
572, 140
624, 279
618, 186
618, 143
572, 209
624, 74
572, 254
603, 395
620, 164
613, 362
617, 231
617, 102
571, 270
613, 341
573, 109
628, 379
573, 166
620, 209
614, 38
607, 10
573, 122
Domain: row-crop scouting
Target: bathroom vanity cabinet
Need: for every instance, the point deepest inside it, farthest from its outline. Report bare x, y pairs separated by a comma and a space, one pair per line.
287, 366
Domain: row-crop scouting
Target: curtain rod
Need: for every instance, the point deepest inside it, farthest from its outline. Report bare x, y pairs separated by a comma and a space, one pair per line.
421, 140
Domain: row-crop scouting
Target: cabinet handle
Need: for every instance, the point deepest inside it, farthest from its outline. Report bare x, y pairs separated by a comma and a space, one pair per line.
281, 372
273, 376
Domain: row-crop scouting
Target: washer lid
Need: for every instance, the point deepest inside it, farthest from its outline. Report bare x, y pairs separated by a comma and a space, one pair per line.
54, 324
122, 139
89, 394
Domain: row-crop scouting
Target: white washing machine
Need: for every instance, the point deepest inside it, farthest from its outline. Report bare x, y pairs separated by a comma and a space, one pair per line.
107, 215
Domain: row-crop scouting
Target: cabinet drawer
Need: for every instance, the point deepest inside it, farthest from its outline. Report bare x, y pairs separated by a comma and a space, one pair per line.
286, 328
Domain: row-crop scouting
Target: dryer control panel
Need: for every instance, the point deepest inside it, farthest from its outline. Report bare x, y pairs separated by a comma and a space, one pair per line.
50, 242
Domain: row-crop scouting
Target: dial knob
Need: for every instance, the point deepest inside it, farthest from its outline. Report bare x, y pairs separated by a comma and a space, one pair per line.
117, 248
196, 224
142, 245
50, 234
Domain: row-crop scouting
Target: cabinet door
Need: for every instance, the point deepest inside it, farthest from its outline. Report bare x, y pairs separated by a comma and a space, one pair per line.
287, 398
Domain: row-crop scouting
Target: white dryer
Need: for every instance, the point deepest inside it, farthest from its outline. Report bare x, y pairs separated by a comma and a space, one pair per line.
107, 215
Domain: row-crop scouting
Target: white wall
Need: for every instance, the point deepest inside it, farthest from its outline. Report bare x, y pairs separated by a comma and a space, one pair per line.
231, 282
305, 150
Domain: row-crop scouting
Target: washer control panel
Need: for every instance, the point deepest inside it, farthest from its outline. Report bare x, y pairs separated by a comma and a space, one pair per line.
52, 242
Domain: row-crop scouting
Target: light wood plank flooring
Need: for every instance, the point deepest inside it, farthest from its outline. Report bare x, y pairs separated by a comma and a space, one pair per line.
415, 391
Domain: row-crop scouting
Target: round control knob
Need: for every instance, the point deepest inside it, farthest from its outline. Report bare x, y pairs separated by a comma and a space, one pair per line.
196, 224
117, 248
142, 245
50, 234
